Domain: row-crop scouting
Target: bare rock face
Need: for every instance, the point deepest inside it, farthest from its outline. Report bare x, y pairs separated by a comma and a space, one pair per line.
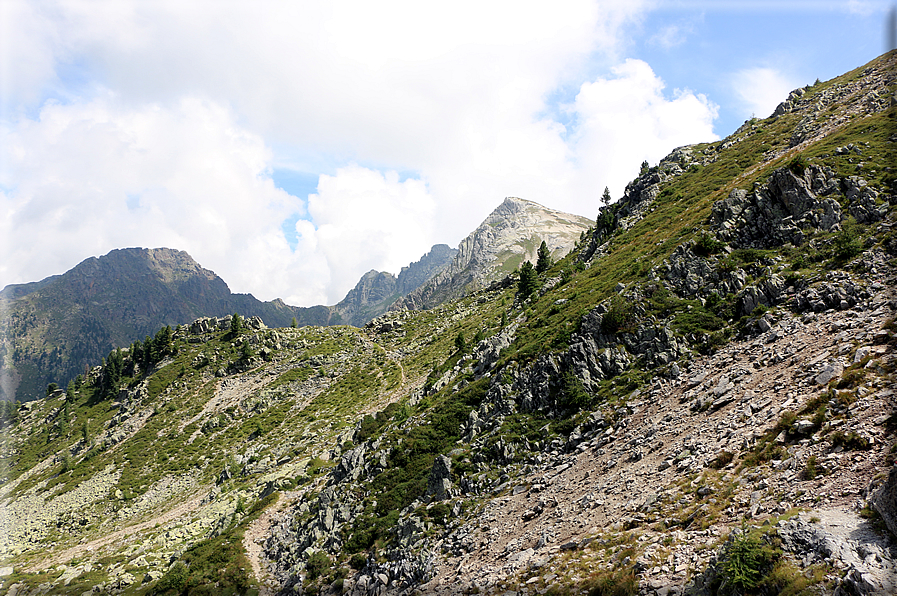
781, 210
416, 274
885, 501
440, 482
508, 237
376, 291
361, 302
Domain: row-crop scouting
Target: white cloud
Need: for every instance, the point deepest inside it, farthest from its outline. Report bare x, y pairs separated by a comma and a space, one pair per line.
86, 178
761, 89
672, 35
627, 119
167, 112
367, 220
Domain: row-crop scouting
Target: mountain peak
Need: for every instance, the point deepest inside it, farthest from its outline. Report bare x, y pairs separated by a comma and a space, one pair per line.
510, 235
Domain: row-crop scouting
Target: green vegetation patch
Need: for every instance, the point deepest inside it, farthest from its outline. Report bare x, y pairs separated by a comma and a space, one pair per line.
410, 460
215, 566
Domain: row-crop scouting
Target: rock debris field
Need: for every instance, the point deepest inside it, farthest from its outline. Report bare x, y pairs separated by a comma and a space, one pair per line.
632, 471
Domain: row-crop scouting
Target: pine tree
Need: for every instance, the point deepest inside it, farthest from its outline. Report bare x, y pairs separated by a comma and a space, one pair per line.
163, 342
236, 324
112, 371
543, 263
529, 281
460, 342
605, 198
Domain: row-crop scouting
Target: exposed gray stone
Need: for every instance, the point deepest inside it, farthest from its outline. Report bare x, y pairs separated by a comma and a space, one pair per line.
885, 500
831, 370
440, 483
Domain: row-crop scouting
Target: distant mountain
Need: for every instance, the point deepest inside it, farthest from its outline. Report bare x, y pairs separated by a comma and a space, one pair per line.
508, 237
376, 291
56, 327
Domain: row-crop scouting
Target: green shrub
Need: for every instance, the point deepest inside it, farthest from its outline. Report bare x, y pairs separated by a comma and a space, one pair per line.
747, 560
810, 471
460, 342
318, 564
697, 320
358, 561
66, 462
213, 566
723, 459
847, 242
799, 262
707, 245
850, 440
851, 378
798, 164
573, 394
174, 581
605, 221
618, 315
616, 583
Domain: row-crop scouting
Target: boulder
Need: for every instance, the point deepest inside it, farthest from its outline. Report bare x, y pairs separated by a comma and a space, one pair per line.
440, 478
832, 370
884, 500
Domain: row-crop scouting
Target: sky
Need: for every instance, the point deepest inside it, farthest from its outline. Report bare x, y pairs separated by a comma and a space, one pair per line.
293, 146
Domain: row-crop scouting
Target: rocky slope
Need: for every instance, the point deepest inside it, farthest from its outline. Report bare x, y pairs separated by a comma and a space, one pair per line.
508, 237
698, 399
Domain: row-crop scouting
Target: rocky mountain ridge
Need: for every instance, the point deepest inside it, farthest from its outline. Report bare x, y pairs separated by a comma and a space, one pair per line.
376, 291
697, 400
510, 235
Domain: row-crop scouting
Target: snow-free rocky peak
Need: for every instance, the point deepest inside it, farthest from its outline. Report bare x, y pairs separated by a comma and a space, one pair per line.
510, 235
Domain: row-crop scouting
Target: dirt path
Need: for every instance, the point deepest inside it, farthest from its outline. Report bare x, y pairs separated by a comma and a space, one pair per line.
254, 540
68, 554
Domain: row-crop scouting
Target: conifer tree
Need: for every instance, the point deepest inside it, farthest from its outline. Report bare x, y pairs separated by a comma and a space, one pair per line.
528, 282
460, 342
543, 262
236, 324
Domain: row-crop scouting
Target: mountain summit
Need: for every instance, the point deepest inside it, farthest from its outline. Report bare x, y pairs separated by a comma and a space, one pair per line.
510, 235
55, 328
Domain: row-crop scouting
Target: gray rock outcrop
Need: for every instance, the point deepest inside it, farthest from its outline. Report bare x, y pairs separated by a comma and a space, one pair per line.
779, 212
440, 482
885, 501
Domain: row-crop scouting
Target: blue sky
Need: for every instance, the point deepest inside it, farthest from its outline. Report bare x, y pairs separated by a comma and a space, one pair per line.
293, 146
802, 41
